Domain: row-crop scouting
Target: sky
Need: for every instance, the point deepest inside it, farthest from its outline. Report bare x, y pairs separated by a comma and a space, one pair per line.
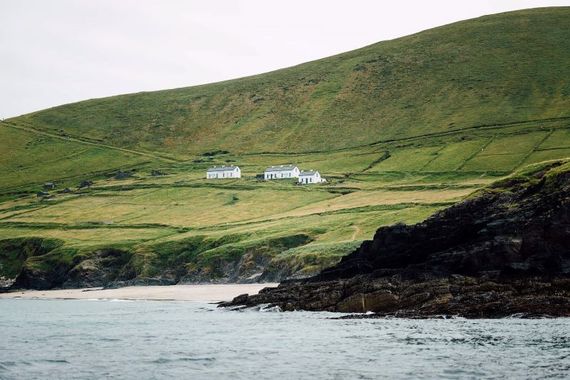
61, 51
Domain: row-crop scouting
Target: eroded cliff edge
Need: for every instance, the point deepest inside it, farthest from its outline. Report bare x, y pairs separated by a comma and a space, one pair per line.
503, 251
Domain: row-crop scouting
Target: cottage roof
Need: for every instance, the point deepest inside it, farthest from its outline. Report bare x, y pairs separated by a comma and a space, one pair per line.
222, 169
281, 168
308, 173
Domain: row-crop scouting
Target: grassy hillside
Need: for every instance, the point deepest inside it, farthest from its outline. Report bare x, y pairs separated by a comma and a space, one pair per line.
491, 70
400, 129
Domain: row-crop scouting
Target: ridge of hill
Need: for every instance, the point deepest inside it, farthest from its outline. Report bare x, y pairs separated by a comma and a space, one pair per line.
492, 70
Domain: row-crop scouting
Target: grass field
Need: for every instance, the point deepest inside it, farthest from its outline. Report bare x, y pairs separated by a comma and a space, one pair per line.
150, 215
400, 129
29, 157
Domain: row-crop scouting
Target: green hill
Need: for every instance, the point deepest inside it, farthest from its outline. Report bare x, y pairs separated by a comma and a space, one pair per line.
400, 129
492, 70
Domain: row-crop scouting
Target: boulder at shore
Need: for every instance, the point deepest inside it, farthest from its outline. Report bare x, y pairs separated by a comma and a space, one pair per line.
504, 251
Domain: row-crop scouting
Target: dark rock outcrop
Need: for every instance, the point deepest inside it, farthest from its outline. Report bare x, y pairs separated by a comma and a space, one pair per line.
46, 264
101, 268
21, 263
504, 251
46, 277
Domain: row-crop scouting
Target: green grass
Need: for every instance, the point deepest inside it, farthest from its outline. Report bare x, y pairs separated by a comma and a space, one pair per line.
513, 144
557, 140
499, 162
191, 207
545, 155
30, 158
413, 159
486, 71
158, 220
400, 129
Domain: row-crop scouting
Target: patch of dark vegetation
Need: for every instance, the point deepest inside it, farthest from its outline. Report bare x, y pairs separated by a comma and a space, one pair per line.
342, 191
85, 184
257, 98
359, 67
123, 174
233, 200
157, 173
212, 153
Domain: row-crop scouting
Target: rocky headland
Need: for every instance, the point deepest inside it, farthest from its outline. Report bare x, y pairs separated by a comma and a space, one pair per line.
504, 251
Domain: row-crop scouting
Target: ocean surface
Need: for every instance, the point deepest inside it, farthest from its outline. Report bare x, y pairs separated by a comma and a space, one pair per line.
57, 339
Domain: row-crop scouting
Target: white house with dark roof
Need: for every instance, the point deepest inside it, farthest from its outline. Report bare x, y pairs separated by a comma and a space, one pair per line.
307, 177
221, 172
281, 172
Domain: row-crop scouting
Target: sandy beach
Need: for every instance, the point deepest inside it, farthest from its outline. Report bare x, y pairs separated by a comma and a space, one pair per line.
204, 293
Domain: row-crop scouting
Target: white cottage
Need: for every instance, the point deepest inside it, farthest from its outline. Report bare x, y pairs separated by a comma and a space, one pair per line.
310, 176
220, 172
281, 172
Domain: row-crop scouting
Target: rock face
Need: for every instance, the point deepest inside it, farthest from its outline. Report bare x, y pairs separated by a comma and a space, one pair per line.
102, 268
40, 263
97, 269
504, 251
19, 266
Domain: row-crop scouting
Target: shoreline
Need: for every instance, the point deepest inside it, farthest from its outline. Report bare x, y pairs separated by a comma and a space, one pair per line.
200, 293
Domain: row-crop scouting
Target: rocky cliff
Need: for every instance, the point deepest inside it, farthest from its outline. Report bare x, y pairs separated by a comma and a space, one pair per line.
40, 263
503, 251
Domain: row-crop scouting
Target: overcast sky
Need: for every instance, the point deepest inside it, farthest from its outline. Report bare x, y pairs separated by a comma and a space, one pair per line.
60, 51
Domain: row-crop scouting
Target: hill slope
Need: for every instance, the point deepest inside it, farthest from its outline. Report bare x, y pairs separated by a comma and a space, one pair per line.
400, 129
496, 69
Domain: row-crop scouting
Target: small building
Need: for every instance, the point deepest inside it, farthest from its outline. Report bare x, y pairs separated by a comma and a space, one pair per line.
49, 185
310, 176
221, 172
281, 172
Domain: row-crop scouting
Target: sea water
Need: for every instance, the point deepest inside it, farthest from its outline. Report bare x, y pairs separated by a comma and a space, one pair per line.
64, 339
